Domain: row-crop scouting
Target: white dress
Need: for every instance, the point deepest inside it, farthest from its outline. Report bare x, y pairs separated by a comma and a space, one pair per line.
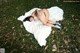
40, 31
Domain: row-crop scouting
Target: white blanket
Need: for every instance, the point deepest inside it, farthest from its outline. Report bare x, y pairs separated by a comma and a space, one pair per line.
40, 31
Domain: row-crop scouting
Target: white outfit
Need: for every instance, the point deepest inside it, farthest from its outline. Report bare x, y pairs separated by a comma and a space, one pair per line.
40, 31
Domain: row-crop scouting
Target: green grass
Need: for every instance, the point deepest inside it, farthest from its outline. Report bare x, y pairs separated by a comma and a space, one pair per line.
15, 39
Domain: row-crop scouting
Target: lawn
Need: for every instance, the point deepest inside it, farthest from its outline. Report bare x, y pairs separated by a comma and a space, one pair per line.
15, 39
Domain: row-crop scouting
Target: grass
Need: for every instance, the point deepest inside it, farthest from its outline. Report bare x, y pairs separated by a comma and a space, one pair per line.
15, 39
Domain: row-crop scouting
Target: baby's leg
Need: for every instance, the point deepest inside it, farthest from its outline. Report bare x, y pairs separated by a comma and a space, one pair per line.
50, 22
